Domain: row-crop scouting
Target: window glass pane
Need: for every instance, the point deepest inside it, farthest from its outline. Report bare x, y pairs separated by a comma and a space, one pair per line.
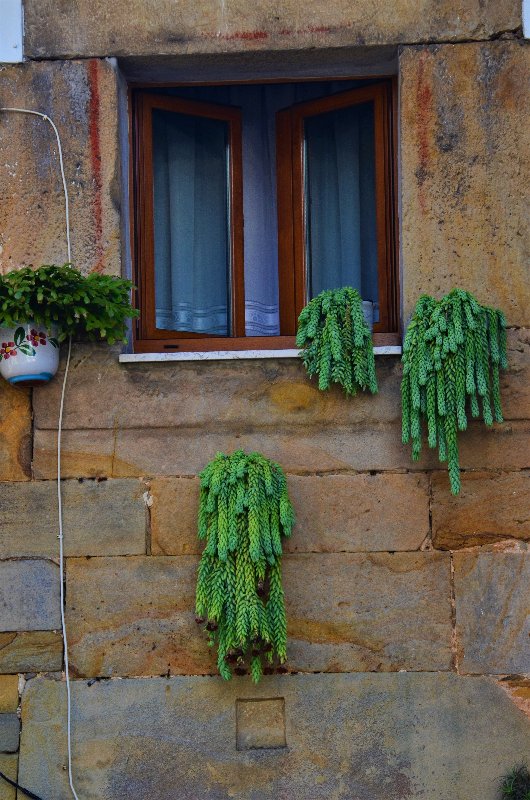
191, 223
340, 201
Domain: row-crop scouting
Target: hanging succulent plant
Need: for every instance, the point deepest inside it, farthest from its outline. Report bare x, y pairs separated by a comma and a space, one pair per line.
337, 342
244, 511
452, 353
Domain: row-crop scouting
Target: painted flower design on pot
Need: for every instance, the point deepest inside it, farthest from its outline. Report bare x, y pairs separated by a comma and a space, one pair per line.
26, 343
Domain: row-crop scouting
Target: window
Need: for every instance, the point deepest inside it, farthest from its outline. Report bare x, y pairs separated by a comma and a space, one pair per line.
250, 199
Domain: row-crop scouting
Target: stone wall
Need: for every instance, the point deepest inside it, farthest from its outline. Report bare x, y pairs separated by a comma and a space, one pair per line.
407, 607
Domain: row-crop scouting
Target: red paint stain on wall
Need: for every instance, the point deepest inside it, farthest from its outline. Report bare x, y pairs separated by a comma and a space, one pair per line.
247, 36
95, 159
424, 117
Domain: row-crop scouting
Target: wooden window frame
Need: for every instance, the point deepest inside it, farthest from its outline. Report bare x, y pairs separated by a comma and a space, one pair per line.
291, 202
291, 226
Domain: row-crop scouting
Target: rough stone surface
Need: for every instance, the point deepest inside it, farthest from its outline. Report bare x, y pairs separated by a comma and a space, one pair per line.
349, 736
134, 616
359, 513
123, 28
8, 693
260, 724
344, 612
299, 449
100, 518
9, 766
31, 651
9, 733
515, 383
15, 439
493, 625
368, 612
489, 508
465, 178
29, 595
175, 502
81, 98
334, 513
267, 393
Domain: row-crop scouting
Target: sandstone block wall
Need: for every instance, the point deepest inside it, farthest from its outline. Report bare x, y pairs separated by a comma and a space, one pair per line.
407, 608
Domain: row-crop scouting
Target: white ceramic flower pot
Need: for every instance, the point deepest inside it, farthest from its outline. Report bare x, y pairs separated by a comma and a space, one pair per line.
29, 354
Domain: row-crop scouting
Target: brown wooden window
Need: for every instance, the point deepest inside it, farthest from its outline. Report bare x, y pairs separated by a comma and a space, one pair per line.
249, 200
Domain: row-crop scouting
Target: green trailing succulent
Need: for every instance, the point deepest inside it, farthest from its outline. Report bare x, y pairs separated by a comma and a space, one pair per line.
452, 354
337, 342
516, 784
244, 512
94, 306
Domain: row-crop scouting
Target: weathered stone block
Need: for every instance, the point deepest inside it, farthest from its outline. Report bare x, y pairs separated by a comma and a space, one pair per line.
493, 626
9, 733
134, 616
260, 724
9, 766
81, 98
100, 518
181, 451
334, 513
464, 175
490, 507
31, 651
359, 513
345, 612
264, 393
8, 693
15, 441
379, 612
363, 736
55, 30
29, 595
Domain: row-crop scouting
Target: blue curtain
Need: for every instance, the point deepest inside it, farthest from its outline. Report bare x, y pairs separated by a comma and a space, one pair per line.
340, 201
191, 209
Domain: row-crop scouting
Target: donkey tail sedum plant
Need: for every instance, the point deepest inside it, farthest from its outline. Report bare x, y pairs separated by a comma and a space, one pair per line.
452, 354
337, 342
244, 511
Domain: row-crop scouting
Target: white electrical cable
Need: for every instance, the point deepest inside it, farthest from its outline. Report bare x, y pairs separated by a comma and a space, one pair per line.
59, 437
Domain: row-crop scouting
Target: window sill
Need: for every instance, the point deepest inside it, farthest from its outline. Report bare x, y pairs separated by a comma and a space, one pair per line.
233, 355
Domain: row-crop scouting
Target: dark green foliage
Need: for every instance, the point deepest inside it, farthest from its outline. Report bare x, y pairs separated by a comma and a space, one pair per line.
244, 511
337, 342
452, 353
95, 306
516, 785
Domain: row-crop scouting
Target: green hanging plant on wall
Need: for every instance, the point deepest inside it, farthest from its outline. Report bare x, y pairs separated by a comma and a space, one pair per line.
337, 341
244, 511
453, 350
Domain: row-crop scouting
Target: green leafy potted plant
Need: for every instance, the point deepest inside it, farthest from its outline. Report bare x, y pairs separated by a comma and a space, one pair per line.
41, 307
452, 354
336, 341
244, 512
